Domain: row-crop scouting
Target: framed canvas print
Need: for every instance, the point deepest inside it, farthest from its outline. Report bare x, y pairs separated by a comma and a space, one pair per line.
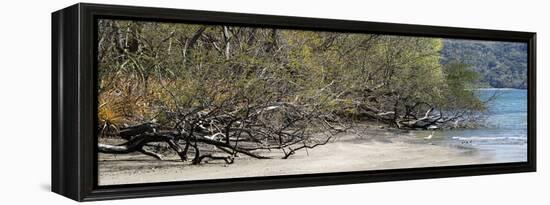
155, 101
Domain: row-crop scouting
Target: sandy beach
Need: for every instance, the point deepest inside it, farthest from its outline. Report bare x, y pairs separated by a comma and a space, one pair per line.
377, 149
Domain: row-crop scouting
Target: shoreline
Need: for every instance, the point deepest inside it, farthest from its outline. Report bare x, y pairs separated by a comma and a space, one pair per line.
374, 149
491, 88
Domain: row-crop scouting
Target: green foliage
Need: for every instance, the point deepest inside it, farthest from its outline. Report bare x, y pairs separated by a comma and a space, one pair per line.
500, 64
162, 68
459, 91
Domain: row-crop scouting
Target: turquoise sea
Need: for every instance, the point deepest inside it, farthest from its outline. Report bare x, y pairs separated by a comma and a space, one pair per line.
504, 136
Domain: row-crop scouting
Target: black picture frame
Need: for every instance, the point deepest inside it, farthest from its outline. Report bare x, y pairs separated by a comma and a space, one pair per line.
74, 169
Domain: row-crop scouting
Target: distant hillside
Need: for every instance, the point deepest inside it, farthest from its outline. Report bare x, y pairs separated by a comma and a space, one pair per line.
500, 64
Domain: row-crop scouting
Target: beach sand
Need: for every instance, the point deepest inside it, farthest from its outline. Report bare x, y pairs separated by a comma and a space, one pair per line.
379, 149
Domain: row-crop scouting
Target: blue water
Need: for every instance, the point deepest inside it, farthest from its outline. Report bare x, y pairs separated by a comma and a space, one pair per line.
504, 136
506, 122
508, 110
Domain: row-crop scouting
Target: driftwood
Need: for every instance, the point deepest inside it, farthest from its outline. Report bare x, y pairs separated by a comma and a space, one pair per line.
412, 117
228, 133
138, 142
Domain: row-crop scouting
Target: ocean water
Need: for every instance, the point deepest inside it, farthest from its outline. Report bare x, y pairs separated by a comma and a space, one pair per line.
504, 136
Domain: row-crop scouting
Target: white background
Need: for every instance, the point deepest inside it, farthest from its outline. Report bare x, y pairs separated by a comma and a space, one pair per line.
25, 102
